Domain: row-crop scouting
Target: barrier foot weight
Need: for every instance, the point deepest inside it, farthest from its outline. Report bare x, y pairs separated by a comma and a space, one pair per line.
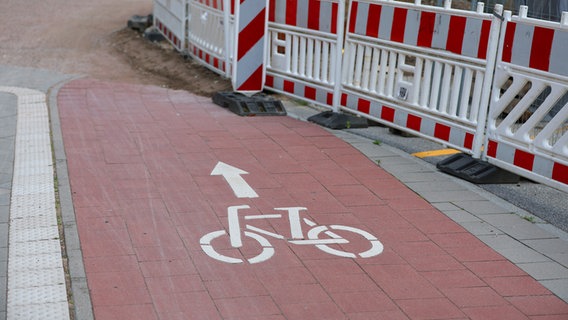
140, 23
256, 105
338, 121
475, 170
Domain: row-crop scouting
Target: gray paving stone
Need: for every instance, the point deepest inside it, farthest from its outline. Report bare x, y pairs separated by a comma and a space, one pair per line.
549, 246
5, 199
504, 219
445, 196
4, 213
461, 216
3, 298
446, 206
401, 165
561, 258
480, 207
373, 151
407, 177
501, 241
481, 228
559, 287
439, 186
4, 229
3, 252
527, 231
523, 255
545, 270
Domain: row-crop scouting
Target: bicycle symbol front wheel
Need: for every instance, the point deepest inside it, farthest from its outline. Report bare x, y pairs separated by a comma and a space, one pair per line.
376, 245
267, 249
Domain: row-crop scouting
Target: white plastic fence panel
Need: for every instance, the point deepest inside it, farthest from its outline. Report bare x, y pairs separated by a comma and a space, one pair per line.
170, 18
304, 49
528, 119
209, 34
421, 69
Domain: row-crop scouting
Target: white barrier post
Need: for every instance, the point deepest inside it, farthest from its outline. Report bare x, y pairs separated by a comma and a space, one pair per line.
338, 61
493, 47
227, 29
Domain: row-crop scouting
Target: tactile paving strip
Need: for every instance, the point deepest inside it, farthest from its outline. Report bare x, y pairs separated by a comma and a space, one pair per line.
36, 279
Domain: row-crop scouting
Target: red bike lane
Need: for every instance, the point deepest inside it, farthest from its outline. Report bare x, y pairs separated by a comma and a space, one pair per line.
166, 185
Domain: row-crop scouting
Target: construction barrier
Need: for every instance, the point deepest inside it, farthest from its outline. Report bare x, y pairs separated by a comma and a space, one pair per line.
170, 18
528, 119
249, 60
209, 33
421, 69
494, 86
305, 48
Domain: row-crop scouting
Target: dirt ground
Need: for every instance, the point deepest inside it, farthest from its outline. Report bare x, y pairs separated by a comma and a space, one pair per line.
91, 38
160, 64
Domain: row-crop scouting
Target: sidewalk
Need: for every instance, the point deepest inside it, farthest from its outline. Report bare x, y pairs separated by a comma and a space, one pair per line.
141, 197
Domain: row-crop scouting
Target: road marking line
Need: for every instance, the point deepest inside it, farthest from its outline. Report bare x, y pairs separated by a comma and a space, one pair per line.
435, 153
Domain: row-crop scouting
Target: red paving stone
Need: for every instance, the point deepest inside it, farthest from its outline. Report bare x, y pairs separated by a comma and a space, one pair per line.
140, 161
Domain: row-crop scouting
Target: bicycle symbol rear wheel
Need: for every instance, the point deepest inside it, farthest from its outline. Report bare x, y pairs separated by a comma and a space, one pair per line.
376, 245
267, 249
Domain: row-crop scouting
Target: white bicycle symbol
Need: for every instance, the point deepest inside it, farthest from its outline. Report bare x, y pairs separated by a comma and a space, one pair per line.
313, 236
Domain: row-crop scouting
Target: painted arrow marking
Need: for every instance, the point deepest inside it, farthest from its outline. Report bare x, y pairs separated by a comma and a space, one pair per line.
236, 182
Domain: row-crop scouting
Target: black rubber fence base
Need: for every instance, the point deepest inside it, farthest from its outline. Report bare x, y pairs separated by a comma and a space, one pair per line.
338, 121
256, 105
474, 170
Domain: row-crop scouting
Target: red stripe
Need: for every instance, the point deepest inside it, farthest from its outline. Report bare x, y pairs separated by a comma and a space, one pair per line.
560, 172
524, 160
442, 132
272, 11
364, 106
251, 34
291, 11
492, 149
426, 30
413, 122
468, 141
313, 14
508, 42
484, 39
329, 98
541, 48
387, 114
373, 21
288, 86
456, 32
334, 7
254, 82
398, 24
343, 100
310, 93
270, 81
353, 17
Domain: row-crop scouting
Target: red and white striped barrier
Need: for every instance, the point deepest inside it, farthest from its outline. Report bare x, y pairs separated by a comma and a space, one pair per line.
413, 26
170, 19
527, 126
542, 47
250, 45
306, 14
425, 65
305, 49
209, 34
